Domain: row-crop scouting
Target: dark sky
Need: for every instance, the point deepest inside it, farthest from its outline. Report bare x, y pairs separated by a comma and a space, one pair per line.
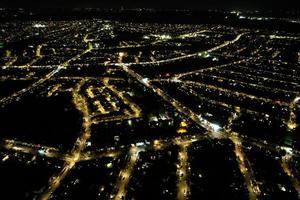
166, 4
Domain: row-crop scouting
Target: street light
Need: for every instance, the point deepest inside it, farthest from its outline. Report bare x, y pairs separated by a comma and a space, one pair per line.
215, 127
145, 80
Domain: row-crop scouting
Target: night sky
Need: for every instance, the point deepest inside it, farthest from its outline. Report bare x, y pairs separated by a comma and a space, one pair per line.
164, 4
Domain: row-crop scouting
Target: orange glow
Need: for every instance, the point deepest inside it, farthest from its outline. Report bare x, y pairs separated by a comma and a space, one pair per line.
181, 130
183, 124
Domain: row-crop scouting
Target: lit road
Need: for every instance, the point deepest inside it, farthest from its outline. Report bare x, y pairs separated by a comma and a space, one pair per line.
285, 164
135, 108
133, 112
12, 59
38, 56
33, 149
84, 156
193, 55
243, 162
8, 99
181, 75
291, 123
239, 94
245, 168
182, 170
53, 90
52, 152
244, 165
178, 106
125, 175
80, 144
19, 93
228, 89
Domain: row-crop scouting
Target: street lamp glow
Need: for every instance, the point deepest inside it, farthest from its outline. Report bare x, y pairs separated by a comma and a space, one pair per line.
39, 25
215, 127
129, 122
41, 152
288, 150
145, 80
165, 37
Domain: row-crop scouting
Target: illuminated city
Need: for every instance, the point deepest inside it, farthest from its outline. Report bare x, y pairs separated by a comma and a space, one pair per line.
103, 107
